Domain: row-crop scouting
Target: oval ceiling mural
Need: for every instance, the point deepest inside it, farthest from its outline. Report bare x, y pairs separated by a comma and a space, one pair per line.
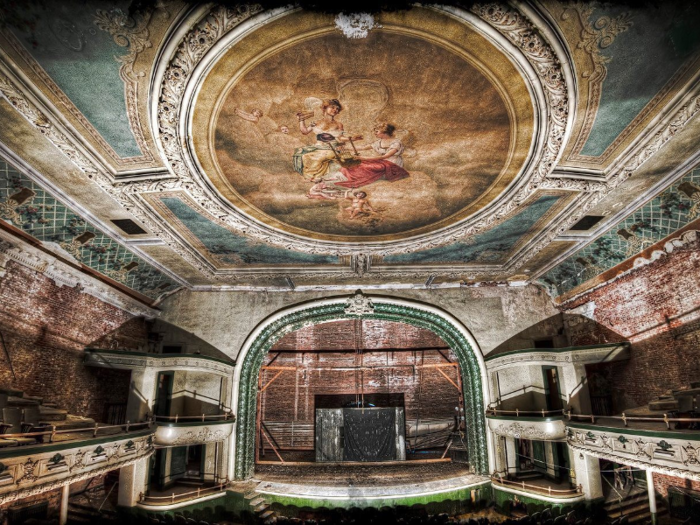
352, 137
382, 138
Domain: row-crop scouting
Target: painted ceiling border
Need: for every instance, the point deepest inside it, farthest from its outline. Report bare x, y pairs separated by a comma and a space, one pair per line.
27, 170
582, 241
146, 159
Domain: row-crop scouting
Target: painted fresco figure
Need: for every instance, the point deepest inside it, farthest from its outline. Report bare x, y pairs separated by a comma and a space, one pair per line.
386, 164
314, 162
360, 205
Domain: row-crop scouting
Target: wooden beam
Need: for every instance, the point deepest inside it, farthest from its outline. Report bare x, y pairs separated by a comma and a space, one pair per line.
450, 380
274, 449
271, 381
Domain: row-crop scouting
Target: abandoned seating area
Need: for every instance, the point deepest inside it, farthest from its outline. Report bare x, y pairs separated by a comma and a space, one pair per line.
31, 420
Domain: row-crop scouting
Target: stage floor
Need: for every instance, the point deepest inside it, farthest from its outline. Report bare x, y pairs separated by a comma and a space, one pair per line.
391, 480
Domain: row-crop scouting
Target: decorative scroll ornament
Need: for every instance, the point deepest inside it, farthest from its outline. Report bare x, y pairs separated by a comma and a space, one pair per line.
355, 25
359, 305
28, 475
519, 431
205, 435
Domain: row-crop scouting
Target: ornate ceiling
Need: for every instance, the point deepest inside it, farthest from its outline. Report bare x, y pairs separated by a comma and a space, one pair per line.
284, 148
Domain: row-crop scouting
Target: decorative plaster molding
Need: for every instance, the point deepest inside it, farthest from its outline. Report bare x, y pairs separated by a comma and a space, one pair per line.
174, 436
579, 356
671, 457
595, 36
41, 472
539, 431
683, 240
359, 305
129, 361
214, 27
18, 251
68, 146
444, 325
355, 25
130, 94
132, 33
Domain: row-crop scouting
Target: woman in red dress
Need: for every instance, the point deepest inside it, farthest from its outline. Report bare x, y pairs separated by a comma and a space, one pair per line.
386, 165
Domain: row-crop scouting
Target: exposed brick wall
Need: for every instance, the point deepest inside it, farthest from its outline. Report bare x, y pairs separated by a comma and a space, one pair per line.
53, 498
427, 393
46, 328
365, 334
662, 484
657, 308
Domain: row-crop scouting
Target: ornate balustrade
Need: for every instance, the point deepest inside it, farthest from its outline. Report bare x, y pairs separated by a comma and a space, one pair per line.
674, 453
546, 428
557, 493
33, 469
177, 431
161, 503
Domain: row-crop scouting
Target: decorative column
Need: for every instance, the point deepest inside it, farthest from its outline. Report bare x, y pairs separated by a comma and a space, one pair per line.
587, 470
511, 456
141, 394
63, 511
652, 496
132, 482
574, 388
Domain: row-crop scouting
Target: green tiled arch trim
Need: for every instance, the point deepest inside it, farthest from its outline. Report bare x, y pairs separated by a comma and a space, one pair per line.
446, 330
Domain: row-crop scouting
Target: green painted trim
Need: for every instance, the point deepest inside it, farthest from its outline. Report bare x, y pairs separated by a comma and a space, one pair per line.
332, 503
195, 423
500, 497
553, 350
687, 436
29, 450
466, 357
529, 419
159, 356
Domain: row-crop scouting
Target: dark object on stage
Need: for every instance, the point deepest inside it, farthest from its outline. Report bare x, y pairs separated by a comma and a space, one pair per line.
360, 434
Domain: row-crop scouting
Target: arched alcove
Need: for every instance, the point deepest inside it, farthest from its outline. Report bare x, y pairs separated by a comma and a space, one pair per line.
421, 315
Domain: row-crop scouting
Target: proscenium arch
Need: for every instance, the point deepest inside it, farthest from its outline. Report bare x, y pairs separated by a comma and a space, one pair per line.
443, 324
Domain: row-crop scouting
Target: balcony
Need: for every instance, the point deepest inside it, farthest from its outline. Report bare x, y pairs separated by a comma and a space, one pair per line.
667, 445
577, 355
180, 496
550, 491
126, 360
540, 425
67, 456
178, 431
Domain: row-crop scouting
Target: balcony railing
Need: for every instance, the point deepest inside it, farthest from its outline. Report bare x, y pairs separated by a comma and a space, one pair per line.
526, 413
536, 489
183, 496
193, 419
694, 421
63, 435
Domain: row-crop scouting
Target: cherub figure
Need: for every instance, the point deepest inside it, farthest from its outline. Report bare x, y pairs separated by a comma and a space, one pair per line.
360, 205
253, 116
324, 191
